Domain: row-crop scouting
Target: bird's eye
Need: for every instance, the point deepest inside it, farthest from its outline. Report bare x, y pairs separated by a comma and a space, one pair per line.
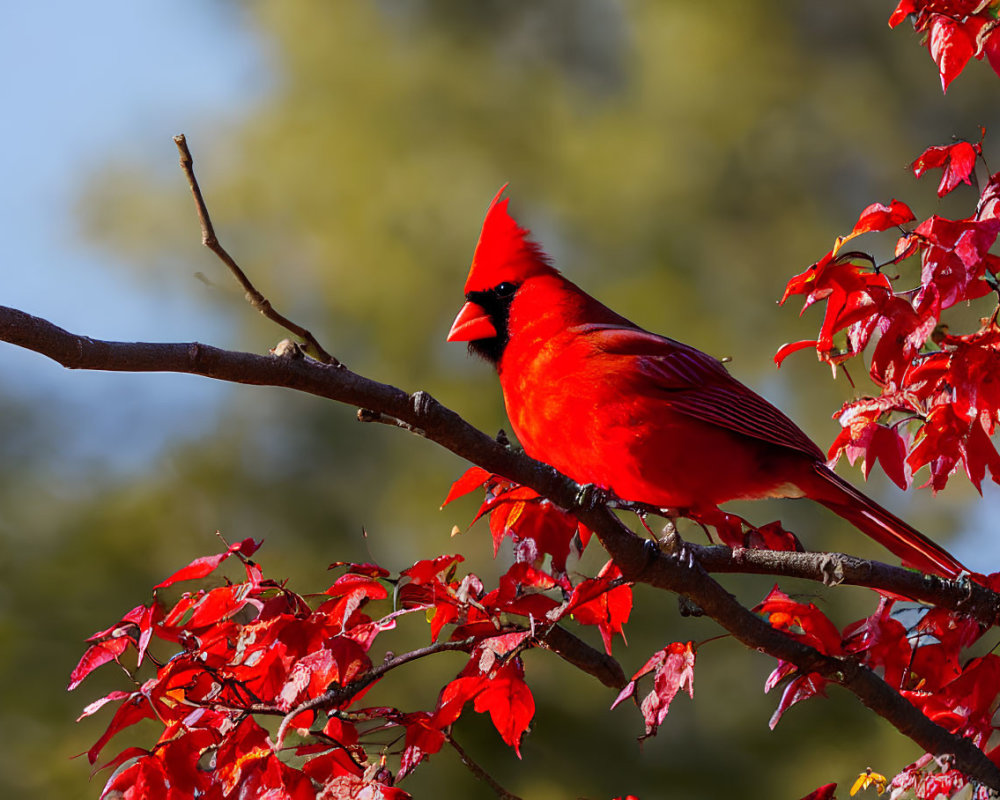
506, 289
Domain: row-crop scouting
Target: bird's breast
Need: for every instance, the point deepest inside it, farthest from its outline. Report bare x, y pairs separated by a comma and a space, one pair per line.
602, 420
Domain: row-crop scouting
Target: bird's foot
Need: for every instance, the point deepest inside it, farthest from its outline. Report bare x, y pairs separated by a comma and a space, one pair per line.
670, 544
589, 496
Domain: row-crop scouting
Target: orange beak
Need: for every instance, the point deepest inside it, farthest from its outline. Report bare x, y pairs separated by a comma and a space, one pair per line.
472, 323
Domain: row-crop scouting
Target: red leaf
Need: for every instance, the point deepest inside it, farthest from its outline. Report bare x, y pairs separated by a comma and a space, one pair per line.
433, 570
509, 702
444, 614
966, 704
772, 536
600, 601
100, 703
330, 764
792, 347
800, 688
988, 207
506, 494
957, 160
121, 758
673, 670
96, 655
882, 641
542, 529
341, 660
423, 738
804, 621
473, 478
218, 604
353, 590
348, 787
145, 778
950, 46
454, 696
939, 446
353, 568
980, 455
853, 292
494, 681
180, 757
245, 745
945, 784
872, 442
991, 47
823, 792
954, 257
903, 10
877, 217
201, 567
134, 709
131, 618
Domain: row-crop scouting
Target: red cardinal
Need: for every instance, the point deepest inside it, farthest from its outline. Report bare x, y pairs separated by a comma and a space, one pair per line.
650, 419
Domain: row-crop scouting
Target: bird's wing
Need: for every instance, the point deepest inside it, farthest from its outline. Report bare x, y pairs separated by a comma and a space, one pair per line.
700, 386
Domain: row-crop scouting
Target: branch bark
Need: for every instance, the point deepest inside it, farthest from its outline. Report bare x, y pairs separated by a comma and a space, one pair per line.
962, 595
421, 413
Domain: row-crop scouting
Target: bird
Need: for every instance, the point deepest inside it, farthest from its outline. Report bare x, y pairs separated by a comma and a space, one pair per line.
643, 417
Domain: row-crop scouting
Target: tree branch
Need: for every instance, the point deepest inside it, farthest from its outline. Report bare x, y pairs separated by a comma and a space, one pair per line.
638, 562
961, 595
209, 239
479, 772
582, 656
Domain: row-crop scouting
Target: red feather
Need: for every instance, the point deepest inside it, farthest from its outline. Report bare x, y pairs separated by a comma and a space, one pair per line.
650, 419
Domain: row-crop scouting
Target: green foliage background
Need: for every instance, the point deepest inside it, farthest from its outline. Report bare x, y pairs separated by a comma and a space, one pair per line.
680, 160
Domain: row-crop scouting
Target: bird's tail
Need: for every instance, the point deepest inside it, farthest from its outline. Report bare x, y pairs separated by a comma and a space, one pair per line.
915, 549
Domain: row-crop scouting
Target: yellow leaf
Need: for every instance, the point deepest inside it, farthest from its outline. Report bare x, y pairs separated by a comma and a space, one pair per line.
867, 779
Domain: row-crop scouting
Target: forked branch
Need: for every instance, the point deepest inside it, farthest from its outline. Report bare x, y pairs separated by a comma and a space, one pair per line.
638, 562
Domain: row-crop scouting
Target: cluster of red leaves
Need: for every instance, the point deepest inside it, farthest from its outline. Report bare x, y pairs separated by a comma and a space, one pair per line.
543, 534
921, 652
246, 652
736, 532
955, 31
930, 778
539, 529
946, 383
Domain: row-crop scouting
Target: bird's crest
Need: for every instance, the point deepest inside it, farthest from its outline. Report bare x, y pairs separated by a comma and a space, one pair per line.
504, 253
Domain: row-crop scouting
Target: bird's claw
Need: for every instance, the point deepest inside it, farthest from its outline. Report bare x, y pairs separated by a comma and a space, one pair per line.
682, 555
589, 496
671, 545
651, 550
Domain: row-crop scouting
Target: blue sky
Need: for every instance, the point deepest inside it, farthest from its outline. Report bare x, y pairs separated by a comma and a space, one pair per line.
82, 82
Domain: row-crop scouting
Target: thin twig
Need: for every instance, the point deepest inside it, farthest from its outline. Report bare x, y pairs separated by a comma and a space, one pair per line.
367, 415
479, 772
335, 697
253, 296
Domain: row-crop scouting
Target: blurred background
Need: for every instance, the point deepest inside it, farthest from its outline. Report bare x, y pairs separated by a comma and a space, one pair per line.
679, 160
